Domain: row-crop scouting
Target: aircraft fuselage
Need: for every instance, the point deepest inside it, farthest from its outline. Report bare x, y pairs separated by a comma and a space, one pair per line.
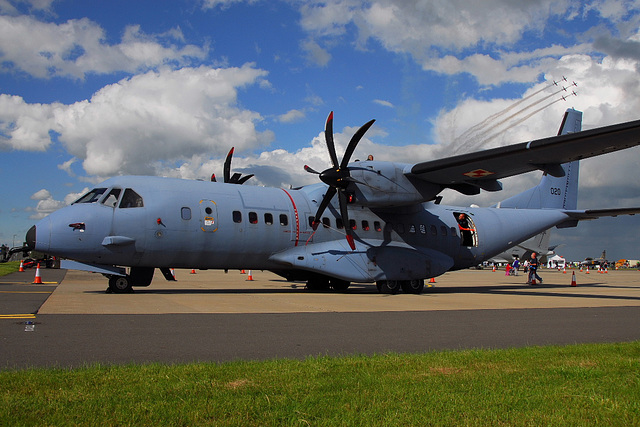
204, 225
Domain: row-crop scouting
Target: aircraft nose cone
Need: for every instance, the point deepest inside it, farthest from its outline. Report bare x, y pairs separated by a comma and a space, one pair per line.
31, 238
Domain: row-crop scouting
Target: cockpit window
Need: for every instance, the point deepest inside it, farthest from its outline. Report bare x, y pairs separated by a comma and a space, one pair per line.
112, 198
92, 196
131, 199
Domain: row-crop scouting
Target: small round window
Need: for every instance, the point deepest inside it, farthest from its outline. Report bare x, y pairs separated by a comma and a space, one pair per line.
208, 210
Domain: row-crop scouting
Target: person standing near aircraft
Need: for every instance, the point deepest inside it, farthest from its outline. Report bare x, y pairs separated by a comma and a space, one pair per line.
533, 270
516, 265
466, 231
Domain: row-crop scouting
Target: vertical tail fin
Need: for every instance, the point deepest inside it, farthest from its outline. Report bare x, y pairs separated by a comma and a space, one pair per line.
553, 192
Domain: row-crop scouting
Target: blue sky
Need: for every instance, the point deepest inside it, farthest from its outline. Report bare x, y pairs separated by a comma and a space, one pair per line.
90, 90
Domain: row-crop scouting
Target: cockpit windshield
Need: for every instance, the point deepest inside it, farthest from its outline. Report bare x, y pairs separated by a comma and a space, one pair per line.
92, 196
131, 199
111, 199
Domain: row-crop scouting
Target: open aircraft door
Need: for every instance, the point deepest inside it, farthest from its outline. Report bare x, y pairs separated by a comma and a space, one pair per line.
208, 216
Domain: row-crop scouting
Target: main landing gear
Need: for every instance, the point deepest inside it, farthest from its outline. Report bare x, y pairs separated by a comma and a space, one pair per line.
394, 286
322, 283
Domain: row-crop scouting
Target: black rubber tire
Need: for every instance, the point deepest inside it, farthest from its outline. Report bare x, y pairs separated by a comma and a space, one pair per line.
339, 285
412, 286
120, 284
318, 283
388, 286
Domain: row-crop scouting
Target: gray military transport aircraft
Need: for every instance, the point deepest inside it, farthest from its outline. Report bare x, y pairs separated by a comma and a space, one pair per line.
397, 232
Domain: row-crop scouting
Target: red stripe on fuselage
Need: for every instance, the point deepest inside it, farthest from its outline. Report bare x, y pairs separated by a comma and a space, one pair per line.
295, 211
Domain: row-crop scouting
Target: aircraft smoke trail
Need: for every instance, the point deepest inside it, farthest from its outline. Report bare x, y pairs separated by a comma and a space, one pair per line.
495, 135
466, 135
480, 137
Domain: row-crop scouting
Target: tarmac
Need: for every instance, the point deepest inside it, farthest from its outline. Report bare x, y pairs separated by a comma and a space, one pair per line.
213, 316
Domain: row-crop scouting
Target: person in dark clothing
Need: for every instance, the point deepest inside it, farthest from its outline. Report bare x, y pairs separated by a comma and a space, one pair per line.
533, 270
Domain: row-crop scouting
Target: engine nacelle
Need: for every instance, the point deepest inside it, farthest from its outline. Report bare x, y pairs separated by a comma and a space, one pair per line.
382, 184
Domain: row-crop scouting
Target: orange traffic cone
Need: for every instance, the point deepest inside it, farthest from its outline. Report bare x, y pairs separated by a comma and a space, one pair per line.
249, 276
21, 266
573, 279
173, 273
564, 270
587, 272
432, 280
38, 279
494, 268
242, 271
193, 271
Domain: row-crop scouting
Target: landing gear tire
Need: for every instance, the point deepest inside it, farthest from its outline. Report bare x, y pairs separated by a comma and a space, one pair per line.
318, 284
388, 286
339, 285
120, 284
412, 286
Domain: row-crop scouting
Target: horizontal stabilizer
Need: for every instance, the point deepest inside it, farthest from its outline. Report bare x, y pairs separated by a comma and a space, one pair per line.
599, 213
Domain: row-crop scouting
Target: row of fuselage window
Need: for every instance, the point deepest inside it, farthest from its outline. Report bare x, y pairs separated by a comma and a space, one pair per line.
364, 224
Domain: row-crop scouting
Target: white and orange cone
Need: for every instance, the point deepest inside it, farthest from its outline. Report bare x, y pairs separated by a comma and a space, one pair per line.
173, 273
21, 266
38, 279
573, 279
249, 276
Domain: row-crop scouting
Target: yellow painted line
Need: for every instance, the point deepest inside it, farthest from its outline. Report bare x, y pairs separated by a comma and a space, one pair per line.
17, 316
25, 292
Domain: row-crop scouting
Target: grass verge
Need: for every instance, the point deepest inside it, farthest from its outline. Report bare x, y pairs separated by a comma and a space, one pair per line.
574, 385
9, 267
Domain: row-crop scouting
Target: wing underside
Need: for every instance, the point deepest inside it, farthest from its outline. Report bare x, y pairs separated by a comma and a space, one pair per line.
483, 169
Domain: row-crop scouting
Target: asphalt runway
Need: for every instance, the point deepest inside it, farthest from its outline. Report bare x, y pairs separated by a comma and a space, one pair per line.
214, 316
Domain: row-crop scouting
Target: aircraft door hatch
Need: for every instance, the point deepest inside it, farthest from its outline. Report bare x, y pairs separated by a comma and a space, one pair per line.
208, 216
468, 231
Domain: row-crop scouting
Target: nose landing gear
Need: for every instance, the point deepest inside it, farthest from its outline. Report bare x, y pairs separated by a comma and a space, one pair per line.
138, 276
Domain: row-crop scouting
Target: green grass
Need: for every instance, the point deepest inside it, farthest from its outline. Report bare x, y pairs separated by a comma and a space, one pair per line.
9, 267
596, 384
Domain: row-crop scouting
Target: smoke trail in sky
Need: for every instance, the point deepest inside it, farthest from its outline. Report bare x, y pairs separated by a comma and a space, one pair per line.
476, 136
480, 139
497, 115
495, 135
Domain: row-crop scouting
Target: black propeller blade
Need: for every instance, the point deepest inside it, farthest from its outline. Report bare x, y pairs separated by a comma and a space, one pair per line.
338, 177
236, 178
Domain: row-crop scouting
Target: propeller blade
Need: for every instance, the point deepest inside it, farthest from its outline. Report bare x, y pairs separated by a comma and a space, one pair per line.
331, 191
354, 142
235, 178
344, 213
244, 179
328, 136
227, 166
311, 170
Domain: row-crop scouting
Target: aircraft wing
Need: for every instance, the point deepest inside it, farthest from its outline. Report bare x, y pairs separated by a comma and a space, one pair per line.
482, 169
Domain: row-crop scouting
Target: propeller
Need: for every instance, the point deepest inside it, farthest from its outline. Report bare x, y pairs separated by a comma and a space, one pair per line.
338, 177
236, 178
